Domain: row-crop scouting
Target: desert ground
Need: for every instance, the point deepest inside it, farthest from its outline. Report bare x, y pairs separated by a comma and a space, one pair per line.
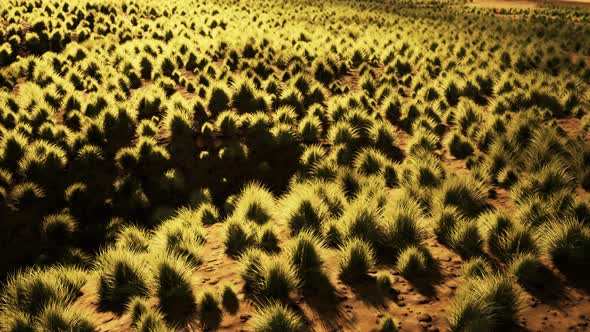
295, 165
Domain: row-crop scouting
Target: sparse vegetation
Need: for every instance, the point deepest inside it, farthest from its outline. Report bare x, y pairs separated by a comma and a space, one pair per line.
284, 165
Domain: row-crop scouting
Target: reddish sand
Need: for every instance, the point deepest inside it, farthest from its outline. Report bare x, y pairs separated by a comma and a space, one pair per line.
420, 305
557, 308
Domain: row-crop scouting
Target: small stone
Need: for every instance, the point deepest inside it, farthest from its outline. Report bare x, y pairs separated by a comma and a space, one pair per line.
424, 318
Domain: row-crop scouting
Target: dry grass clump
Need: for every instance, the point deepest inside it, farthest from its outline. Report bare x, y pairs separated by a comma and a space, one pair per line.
484, 303
305, 254
276, 317
467, 195
415, 262
361, 220
40, 299
389, 324
401, 228
268, 277
181, 235
255, 203
357, 257
172, 285
238, 236
304, 209
122, 275
566, 242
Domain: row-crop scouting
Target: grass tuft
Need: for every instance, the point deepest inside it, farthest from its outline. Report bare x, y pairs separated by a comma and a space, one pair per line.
445, 220
414, 262
229, 299
401, 228
305, 254
255, 203
59, 229
137, 307
173, 287
484, 303
267, 277
357, 258
467, 195
527, 269
361, 219
276, 317
466, 240
388, 324
132, 238
384, 281
476, 267
567, 242
209, 310
122, 276
238, 237
152, 320
57, 317
304, 210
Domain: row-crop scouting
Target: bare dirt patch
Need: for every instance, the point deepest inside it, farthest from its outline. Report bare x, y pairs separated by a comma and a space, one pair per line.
573, 128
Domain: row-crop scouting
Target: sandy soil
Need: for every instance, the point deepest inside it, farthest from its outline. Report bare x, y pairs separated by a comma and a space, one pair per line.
563, 304
420, 305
